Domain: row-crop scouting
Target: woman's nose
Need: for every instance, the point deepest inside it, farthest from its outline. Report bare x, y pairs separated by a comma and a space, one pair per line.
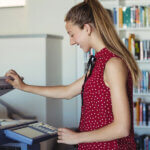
72, 42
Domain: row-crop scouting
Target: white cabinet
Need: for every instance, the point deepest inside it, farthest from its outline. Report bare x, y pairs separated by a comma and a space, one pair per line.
38, 58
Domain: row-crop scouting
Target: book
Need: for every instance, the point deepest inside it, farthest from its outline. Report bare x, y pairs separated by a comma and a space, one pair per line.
115, 16
4, 86
134, 16
138, 111
141, 50
148, 109
131, 43
120, 17
144, 114
7, 123
141, 114
137, 50
137, 16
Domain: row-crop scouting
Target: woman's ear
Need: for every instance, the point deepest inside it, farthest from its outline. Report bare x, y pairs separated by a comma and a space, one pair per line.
88, 29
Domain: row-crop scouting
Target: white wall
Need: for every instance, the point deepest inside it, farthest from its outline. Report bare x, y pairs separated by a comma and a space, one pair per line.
45, 16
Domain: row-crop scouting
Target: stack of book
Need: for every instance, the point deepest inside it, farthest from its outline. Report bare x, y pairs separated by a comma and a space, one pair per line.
142, 142
113, 15
141, 113
139, 48
134, 16
144, 84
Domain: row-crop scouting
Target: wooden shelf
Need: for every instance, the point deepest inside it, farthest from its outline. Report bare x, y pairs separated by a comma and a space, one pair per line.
135, 29
108, 0
135, 1
143, 61
141, 94
141, 127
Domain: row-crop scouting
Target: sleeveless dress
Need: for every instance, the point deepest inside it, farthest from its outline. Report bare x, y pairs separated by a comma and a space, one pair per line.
96, 111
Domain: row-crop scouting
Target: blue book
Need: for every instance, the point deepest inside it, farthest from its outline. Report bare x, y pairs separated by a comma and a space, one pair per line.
142, 84
144, 113
149, 144
147, 80
115, 16
141, 16
148, 109
133, 21
145, 143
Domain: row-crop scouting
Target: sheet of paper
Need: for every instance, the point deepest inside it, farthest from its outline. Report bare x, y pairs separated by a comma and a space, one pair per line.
6, 123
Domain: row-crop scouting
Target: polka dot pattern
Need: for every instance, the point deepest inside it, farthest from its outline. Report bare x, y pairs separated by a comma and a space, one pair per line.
96, 111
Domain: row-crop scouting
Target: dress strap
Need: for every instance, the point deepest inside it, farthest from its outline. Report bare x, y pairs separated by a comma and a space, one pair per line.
90, 66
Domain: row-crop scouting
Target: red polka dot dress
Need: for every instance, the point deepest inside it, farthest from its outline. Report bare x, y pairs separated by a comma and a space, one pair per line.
97, 112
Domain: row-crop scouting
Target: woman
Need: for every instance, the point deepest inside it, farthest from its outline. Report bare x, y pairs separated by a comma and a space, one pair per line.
107, 110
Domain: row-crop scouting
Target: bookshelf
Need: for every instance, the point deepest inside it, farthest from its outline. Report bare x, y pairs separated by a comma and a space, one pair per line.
141, 33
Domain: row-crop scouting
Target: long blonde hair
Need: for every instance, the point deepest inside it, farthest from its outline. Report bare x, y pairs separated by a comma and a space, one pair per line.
91, 11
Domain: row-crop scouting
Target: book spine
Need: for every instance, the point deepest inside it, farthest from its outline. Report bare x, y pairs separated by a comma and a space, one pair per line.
149, 82
134, 113
141, 50
138, 111
144, 113
120, 17
115, 16
137, 16
141, 16
146, 78
141, 114
148, 109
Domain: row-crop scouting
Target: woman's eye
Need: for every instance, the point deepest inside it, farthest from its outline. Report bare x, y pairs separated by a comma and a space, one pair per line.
71, 35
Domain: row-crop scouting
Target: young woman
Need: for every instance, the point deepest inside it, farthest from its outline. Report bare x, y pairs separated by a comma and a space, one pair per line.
107, 110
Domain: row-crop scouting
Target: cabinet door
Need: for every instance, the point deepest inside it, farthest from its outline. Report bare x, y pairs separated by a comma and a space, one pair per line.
27, 57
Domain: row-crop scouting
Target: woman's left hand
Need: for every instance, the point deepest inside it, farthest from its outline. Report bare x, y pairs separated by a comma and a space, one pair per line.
67, 136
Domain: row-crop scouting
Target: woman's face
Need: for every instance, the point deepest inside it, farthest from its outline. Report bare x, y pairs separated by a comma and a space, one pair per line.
78, 36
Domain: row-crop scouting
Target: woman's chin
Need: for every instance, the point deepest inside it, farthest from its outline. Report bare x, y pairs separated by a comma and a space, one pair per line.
85, 50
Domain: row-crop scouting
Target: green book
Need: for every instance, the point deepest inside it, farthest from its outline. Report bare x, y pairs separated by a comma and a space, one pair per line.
128, 17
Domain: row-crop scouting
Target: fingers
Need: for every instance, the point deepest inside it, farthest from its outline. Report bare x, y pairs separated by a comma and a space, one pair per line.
11, 78
66, 136
11, 75
60, 141
61, 129
12, 71
60, 135
9, 81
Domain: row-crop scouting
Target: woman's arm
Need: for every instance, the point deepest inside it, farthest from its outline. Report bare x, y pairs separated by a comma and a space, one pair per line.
61, 92
116, 77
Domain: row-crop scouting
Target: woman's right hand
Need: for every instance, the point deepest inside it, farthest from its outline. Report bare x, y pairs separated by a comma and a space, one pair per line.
15, 80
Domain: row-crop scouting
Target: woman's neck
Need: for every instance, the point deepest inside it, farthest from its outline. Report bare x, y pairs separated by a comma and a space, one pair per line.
97, 43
